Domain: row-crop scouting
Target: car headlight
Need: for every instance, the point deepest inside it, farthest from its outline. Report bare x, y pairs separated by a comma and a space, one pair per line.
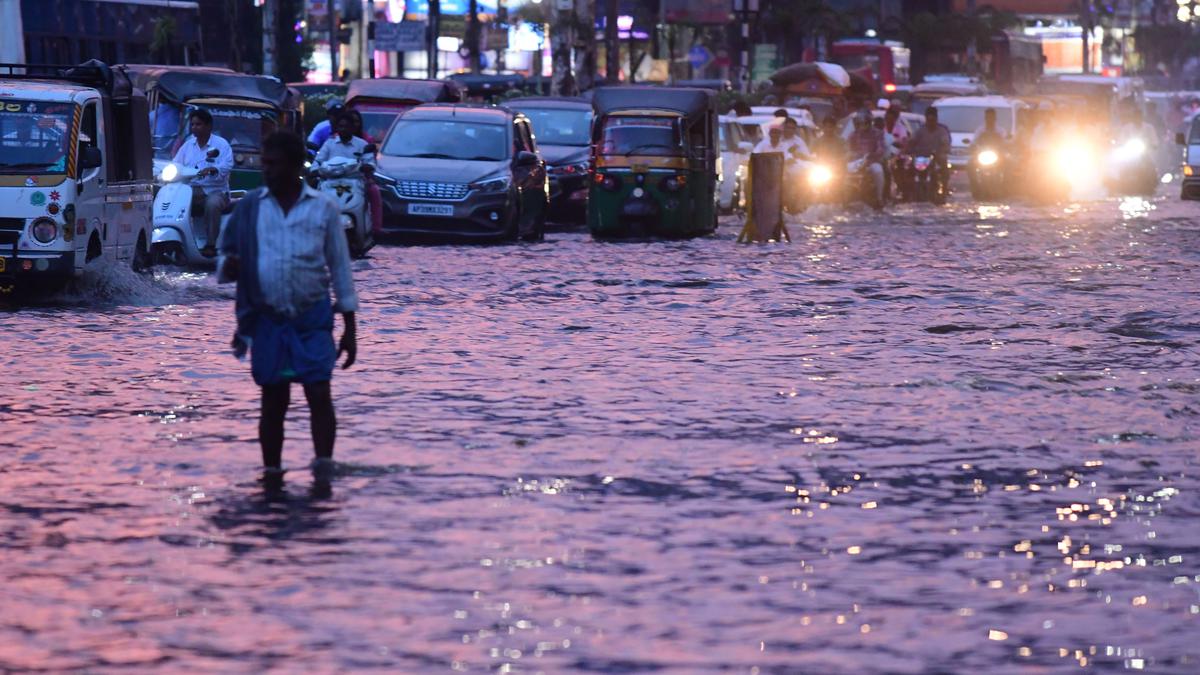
491, 185
169, 173
987, 158
384, 179
1131, 149
1073, 157
44, 230
820, 175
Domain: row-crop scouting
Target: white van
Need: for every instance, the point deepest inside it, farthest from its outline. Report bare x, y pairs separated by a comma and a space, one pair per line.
963, 116
75, 173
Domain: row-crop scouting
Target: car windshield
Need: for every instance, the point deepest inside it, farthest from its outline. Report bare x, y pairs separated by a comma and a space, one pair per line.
637, 135
241, 127
445, 139
556, 126
377, 122
968, 119
35, 136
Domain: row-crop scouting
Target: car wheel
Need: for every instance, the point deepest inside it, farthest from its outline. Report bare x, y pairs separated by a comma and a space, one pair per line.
141, 256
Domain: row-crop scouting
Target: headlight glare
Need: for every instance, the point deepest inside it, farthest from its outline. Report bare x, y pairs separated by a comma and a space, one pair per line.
169, 173
988, 158
820, 176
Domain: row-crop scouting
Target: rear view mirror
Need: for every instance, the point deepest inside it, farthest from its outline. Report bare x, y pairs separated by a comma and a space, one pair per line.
1180, 139
90, 157
526, 158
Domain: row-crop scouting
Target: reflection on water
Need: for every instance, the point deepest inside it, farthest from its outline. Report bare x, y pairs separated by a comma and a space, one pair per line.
940, 440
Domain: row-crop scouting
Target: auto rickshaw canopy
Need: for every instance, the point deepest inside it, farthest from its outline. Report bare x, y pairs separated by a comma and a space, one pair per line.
690, 103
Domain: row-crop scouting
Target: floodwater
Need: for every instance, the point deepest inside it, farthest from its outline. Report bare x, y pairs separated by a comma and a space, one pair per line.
940, 440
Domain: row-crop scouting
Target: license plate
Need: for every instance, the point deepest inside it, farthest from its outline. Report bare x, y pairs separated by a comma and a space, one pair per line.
442, 210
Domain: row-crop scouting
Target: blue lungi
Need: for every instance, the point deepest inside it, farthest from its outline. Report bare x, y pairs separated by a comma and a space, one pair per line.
294, 350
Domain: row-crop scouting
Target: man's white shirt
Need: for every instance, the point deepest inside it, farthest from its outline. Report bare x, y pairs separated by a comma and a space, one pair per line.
193, 156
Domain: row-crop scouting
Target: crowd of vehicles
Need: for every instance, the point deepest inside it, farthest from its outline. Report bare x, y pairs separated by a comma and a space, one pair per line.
627, 162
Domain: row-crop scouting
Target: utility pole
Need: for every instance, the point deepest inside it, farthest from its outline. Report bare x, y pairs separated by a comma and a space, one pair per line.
612, 44
585, 45
473, 34
1085, 25
562, 38
502, 24
745, 10
435, 29
972, 48
334, 43
269, 23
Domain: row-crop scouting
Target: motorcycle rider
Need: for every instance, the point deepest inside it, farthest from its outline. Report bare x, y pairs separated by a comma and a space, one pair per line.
931, 140
346, 144
325, 128
373, 195
987, 137
774, 140
212, 156
867, 145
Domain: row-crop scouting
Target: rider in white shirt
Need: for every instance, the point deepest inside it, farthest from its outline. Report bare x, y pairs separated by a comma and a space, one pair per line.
213, 158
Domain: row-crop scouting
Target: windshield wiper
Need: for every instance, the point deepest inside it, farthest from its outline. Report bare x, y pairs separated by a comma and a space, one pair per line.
481, 158
647, 145
433, 155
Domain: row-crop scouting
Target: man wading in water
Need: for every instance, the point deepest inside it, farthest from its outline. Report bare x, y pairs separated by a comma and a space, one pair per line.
284, 246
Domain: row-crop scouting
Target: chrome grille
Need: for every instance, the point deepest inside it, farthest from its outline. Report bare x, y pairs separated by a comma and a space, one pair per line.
421, 189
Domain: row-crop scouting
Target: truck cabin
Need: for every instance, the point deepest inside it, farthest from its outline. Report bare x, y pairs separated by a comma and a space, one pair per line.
51, 125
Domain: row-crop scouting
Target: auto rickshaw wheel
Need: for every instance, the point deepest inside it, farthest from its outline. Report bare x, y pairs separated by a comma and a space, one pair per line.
141, 256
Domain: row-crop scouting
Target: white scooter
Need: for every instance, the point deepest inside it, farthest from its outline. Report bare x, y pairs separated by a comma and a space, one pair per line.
178, 235
342, 178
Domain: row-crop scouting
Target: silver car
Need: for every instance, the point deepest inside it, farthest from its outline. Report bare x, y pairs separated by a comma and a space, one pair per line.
462, 172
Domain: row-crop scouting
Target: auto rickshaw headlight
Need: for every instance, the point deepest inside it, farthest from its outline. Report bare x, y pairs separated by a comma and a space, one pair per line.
820, 176
44, 230
1188, 170
987, 158
169, 173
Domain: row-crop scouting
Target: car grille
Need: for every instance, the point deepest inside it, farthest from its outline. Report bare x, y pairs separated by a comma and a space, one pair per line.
420, 189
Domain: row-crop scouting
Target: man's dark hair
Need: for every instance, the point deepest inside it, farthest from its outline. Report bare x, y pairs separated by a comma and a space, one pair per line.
201, 114
788, 122
931, 112
782, 112
289, 144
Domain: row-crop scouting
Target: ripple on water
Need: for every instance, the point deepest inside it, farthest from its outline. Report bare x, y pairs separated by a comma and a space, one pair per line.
935, 440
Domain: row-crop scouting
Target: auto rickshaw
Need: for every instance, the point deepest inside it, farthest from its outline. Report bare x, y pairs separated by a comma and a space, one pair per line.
655, 163
245, 110
380, 101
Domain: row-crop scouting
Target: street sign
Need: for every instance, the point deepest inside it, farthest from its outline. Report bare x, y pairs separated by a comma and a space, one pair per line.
406, 36
766, 61
699, 56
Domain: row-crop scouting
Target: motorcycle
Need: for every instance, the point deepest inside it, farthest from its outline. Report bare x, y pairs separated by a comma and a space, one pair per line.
342, 179
179, 235
923, 180
1131, 169
824, 184
860, 185
987, 174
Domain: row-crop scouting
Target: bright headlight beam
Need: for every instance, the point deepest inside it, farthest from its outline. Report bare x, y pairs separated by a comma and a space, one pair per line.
820, 175
988, 158
169, 173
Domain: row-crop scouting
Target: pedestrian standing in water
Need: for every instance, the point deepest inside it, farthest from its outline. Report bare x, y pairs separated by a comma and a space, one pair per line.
285, 247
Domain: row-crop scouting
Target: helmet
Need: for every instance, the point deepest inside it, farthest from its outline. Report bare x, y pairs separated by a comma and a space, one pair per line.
334, 106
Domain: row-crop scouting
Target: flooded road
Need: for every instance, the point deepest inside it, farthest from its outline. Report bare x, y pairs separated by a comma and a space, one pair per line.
947, 440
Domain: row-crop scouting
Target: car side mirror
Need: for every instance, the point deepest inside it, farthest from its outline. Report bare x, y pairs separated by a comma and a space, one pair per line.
370, 149
1179, 139
526, 158
90, 157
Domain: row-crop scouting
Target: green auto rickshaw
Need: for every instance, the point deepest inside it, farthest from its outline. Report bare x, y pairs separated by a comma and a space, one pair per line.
655, 165
245, 110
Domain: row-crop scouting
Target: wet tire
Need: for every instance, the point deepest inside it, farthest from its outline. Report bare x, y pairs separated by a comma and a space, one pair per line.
142, 261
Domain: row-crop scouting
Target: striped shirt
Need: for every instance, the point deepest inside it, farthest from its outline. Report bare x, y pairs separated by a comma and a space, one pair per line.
303, 252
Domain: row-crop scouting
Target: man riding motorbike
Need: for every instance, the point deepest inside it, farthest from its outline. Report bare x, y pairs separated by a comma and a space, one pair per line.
931, 140
867, 149
325, 128
988, 137
346, 144
213, 158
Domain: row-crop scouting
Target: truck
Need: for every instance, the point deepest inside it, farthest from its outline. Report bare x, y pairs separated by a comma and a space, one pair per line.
76, 176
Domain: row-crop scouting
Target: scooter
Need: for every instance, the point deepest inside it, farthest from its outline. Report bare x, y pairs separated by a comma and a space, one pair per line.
923, 181
178, 235
342, 178
987, 174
